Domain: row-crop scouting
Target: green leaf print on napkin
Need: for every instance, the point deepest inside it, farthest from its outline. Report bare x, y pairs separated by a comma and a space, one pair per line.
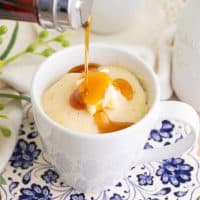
11, 42
5, 131
2, 180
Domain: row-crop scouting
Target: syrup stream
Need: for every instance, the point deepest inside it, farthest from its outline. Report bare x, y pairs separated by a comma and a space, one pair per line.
93, 87
87, 42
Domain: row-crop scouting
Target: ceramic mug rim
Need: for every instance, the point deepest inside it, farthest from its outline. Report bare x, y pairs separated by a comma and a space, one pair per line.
37, 104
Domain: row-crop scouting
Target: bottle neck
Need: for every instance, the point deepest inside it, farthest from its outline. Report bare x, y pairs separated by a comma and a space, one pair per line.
63, 14
55, 14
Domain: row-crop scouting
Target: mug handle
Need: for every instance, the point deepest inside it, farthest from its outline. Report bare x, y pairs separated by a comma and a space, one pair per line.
173, 110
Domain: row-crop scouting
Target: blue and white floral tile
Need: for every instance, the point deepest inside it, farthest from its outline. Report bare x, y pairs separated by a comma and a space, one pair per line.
30, 176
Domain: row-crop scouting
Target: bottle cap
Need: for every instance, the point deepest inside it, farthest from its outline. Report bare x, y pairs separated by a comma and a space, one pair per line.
64, 14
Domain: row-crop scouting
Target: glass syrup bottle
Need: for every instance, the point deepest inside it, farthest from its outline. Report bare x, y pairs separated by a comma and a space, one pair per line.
56, 14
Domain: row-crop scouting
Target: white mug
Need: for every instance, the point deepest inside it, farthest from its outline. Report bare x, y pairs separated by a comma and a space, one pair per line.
109, 16
92, 162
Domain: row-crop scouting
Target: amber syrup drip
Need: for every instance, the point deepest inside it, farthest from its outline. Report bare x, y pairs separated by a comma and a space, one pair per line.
124, 87
105, 125
76, 100
91, 91
81, 68
87, 44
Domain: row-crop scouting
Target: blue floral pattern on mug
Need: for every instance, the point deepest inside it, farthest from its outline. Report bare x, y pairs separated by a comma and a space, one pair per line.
148, 146
29, 174
174, 171
167, 126
164, 132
